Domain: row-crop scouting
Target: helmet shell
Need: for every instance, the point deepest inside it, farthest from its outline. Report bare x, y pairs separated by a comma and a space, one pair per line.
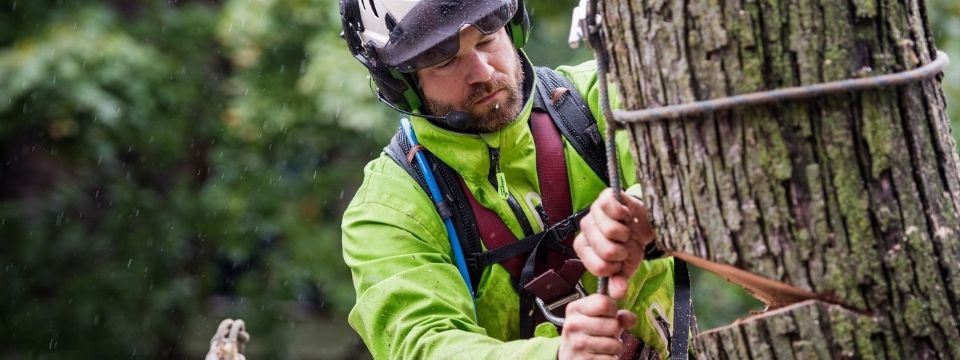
368, 26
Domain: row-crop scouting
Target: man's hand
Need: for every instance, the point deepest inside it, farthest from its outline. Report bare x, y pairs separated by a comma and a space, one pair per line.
592, 327
228, 342
613, 238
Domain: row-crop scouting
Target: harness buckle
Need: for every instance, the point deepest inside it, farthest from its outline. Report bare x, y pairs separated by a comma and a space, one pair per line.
547, 309
564, 228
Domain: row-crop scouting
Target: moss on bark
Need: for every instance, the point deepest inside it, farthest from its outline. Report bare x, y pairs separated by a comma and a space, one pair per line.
855, 195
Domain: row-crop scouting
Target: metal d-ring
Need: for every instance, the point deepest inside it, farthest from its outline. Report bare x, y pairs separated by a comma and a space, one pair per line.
547, 309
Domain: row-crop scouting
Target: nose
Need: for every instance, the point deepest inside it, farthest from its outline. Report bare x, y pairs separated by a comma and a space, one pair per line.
478, 69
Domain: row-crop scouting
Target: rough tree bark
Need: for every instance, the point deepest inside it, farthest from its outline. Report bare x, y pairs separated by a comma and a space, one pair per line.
853, 197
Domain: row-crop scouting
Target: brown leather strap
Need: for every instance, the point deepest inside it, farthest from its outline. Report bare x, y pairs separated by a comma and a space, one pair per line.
630, 345
554, 285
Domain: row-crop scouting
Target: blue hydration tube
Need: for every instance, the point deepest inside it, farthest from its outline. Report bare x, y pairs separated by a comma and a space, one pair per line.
437, 199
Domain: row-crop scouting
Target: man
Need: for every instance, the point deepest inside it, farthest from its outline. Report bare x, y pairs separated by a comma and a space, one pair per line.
460, 66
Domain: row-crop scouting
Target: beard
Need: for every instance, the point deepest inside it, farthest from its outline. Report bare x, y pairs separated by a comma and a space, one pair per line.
493, 116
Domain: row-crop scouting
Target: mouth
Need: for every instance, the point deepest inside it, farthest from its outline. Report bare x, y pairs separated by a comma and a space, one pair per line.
488, 98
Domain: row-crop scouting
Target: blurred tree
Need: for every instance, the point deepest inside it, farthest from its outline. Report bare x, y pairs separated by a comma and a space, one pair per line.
154, 154
102, 152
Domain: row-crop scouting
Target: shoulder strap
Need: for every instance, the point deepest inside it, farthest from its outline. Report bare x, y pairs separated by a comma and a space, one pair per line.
456, 206
569, 111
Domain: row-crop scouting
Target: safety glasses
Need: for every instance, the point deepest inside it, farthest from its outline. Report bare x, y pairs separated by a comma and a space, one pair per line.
430, 33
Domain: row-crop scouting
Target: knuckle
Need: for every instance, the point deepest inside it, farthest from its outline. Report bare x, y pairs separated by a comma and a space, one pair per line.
611, 328
579, 242
610, 232
584, 222
579, 343
609, 252
608, 267
608, 307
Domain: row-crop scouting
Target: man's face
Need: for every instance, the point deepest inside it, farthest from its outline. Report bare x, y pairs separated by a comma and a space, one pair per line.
484, 79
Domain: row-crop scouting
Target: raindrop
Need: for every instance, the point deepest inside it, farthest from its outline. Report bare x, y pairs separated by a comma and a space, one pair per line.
341, 194
497, 107
315, 174
14, 6
54, 80
129, 262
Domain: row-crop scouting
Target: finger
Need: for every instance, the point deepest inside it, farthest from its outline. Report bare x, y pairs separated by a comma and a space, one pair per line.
636, 256
627, 319
604, 357
583, 346
594, 306
594, 264
607, 203
603, 345
610, 228
222, 329
607, 249
617, 286
235, 329
593, 326
640, 220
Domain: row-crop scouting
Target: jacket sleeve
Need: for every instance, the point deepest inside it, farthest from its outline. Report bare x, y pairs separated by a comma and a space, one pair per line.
411, 301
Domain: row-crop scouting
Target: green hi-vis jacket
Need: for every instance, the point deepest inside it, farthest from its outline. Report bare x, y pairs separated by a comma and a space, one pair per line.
412, 302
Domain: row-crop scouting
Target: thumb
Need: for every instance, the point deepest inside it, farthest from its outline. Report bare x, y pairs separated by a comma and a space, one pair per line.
627, 319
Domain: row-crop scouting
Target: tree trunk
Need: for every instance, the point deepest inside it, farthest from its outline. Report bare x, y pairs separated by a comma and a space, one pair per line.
854, 198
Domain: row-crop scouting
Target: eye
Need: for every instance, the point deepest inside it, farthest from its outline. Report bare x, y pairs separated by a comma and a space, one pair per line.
445, 63
486, 40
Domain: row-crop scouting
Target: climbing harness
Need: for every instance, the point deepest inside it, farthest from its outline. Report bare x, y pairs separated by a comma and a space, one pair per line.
559, 112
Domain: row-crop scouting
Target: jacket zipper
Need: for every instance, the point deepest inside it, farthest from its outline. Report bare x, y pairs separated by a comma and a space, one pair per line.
498, 180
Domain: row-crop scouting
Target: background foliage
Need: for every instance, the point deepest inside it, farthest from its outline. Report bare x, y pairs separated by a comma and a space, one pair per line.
164, 164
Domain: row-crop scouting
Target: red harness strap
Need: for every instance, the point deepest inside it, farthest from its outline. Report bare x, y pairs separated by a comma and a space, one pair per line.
554, 190
552, 175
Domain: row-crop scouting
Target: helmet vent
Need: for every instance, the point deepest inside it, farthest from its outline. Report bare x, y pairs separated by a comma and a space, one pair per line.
390, 21
374, 8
